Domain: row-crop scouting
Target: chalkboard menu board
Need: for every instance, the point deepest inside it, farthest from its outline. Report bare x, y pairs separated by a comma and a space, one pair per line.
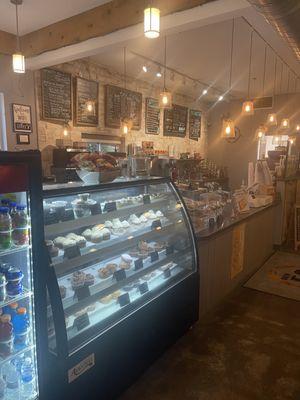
175, 121
194, 124
152, 116
85, 90
120, 103
56, 95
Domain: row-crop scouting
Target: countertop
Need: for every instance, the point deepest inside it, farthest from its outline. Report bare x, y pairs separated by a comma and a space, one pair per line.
228, 223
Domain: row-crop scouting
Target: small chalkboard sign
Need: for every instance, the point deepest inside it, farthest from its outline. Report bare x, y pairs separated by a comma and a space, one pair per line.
138, 264
86, 93
194, 124
154, 256
81, 322
175, 121
72, 252
124, 299
120, 275
56, 95
82, 292
143, 288
169, 249
146, 199
156, 224
111, 206
152, 116
121, 103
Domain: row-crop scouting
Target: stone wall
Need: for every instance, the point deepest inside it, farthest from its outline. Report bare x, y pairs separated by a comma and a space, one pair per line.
48, 132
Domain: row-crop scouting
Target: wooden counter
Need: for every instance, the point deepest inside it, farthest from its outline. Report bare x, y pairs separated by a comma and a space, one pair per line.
230, 254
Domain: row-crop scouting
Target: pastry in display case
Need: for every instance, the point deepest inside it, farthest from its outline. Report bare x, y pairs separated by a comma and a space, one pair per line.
113, 249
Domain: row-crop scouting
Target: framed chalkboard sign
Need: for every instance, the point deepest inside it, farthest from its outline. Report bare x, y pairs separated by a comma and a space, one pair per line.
194, 124
175, 121
85, 91
152, 116
56, 95
120, 103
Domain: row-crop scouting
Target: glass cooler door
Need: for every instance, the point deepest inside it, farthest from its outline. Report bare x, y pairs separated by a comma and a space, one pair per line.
18, 362
114, 250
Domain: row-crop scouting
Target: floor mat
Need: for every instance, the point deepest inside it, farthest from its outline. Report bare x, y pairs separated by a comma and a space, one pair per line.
280, 275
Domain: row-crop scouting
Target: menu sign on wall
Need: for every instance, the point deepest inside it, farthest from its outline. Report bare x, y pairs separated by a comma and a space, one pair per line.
56, 95
86, 91
152, 116
194, 124
175, 121
120, 103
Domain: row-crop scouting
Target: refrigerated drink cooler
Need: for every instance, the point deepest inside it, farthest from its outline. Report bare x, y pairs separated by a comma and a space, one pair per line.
122, 282
22, 284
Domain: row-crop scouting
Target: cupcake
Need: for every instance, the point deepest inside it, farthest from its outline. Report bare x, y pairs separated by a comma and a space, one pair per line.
89, 279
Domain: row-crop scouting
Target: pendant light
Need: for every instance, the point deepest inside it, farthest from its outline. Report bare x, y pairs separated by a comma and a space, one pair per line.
272, 117
292, 139
228, 127
90, 107
260, 132
298, 127
18, 59
126, 122
165, 97
151, 22
285, 123
66, 129
248, 107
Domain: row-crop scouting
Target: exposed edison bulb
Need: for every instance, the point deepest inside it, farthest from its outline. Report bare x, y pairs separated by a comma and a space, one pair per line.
151, 22
292, 141
66, 131
125, 129
298, 127
204, 92
18, 62
228, 130
271, 118
89, 106
260, 134
220, 98
285, 123
145, 69
247, 108
165, 99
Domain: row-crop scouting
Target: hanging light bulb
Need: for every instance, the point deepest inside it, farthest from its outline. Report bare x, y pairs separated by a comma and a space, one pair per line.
151, 22
90, 107
126, 125
158, 73
260, 132
145, 68
220, 98
285, 123
272, 119
298, 127
292, 140
248, 108
228, 129
66, 129
204, 92
18, 59
165, 97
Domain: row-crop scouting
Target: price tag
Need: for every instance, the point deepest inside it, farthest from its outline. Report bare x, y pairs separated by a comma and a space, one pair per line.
156, 224
96, 209
143, 288
124, 299
72, 252
120, 275
109, 207
146, 199
169, 249
138, 264
167, 273
154, 256
81, 322
82, 292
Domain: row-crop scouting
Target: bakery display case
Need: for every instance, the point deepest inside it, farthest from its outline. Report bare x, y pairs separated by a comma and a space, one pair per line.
116, 251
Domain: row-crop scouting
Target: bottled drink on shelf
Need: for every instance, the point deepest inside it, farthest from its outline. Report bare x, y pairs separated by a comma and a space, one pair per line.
20, 235
14, 285
4, 267
2, 287
6, 335
27, 380
13, 211
12, 383
21, 328
11, 309
5, 229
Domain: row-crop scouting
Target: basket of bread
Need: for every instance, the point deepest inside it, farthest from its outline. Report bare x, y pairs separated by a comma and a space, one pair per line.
93, 168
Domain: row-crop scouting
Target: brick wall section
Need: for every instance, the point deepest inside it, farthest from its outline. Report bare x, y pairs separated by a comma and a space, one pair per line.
48, 132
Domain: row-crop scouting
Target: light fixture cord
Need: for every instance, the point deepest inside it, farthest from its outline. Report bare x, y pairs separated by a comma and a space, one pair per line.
275, 73
288, 82
17, 24
264, 75
281, 78
165, 63
231, 54
125, 83
250, 61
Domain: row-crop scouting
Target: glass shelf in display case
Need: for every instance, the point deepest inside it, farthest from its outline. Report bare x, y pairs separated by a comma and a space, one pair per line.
113, 248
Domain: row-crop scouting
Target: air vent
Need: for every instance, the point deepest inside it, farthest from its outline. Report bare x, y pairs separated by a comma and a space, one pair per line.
263, 102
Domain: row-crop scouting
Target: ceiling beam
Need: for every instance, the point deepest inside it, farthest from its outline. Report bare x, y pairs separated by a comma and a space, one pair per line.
100, 21
7, 43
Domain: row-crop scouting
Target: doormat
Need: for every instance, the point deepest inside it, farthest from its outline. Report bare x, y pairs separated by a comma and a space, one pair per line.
280, 275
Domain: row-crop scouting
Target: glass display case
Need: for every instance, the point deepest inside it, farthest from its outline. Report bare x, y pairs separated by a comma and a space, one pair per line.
113, 249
